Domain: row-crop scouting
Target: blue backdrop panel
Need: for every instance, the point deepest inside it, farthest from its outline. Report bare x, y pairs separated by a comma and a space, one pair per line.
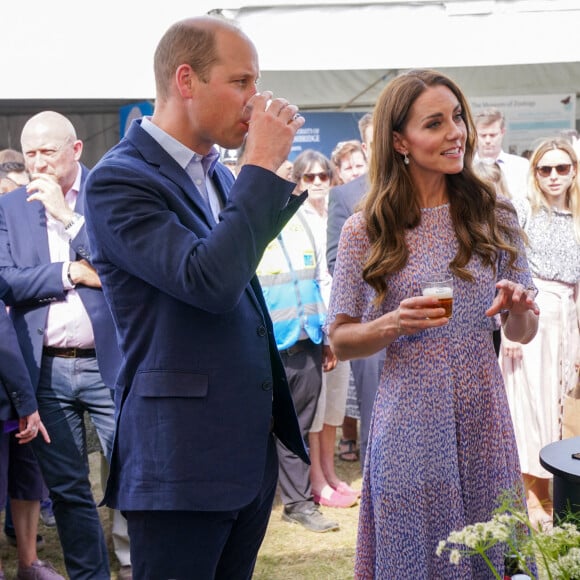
322, 131
133, 111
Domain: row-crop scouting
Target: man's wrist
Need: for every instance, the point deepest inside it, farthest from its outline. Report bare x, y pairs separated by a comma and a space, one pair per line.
75, 218
69, 278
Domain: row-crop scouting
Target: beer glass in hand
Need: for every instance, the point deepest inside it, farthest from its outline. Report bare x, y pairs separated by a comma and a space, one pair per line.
441, 287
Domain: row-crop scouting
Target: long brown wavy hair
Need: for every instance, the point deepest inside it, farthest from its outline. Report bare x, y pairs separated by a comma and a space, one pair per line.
392, 205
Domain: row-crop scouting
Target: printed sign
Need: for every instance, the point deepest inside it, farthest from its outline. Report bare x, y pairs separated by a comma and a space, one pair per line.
322, 131
530, 118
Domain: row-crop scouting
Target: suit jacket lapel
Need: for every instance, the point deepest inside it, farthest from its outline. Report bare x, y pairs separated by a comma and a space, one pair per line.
191, 193
79, 204
36, 218
220, 180
257, 296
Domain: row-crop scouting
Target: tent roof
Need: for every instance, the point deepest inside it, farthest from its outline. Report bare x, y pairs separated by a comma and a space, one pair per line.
321, 54
407, 34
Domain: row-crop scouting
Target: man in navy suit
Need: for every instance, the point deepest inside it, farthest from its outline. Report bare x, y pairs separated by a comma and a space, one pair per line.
343, 201
176, 243
62, 322
19, 413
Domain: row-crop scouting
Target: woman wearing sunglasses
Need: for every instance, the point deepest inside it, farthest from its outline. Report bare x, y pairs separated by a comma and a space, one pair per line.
540, 373
313, 171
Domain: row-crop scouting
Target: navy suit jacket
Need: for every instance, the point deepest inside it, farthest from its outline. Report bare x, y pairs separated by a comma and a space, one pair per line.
34, 281
16, 392
202, 377
342, 202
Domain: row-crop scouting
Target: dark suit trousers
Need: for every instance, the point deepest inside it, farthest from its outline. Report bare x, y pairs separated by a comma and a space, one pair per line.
303, 364
182, 545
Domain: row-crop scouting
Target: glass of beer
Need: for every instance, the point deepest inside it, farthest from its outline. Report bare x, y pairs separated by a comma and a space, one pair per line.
440, 286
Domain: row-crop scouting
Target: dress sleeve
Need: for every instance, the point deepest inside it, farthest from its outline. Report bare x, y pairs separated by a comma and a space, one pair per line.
519, 271
349, 293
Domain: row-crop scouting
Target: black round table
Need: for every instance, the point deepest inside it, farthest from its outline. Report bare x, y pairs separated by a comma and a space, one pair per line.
557, 459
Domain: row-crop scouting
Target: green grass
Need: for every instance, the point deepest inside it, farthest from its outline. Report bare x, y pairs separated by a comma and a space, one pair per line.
289, 552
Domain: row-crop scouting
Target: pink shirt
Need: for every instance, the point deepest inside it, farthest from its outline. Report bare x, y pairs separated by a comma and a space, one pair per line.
68, 324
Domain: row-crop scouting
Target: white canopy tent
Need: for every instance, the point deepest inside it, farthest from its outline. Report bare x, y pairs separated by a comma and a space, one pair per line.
339, 54
321, 54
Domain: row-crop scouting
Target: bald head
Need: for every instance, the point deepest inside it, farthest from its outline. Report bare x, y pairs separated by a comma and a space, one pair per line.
51, 124
50, 146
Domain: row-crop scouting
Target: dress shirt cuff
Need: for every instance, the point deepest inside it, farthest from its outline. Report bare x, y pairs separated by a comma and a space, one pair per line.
67, 283
76, 225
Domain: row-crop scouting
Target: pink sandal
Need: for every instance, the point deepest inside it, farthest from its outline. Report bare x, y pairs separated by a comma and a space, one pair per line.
345, 489
335, 499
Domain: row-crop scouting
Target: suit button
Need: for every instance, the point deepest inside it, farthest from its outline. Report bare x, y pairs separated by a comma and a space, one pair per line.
40, 330
267, 386
261, 330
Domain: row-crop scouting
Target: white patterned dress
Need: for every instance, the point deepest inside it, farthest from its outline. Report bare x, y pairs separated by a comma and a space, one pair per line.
537, 382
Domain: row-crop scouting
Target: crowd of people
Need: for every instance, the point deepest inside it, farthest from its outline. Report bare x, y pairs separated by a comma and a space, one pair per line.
232, 326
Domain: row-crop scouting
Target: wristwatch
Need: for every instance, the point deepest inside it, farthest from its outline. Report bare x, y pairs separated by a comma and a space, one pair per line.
75, 218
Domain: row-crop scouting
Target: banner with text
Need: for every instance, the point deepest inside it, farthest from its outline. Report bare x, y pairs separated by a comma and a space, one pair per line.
322, 131
531, 118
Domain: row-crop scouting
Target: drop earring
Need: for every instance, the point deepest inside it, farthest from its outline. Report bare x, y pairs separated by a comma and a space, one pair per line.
405, 159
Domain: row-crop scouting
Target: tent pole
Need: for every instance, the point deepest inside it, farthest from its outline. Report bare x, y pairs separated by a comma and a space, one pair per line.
382, 78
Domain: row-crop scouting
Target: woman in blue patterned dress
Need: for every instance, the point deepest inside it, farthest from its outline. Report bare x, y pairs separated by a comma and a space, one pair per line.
442, 448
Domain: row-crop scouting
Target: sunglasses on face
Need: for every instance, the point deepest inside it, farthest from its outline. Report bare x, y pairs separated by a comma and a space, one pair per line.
310, 177
546, 170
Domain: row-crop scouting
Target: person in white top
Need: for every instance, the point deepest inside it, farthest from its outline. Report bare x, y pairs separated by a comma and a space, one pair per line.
539, 375
490, 125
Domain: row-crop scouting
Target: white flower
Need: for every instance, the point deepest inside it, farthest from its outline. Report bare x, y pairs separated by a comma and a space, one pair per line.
556, 551
569, 564
440, 547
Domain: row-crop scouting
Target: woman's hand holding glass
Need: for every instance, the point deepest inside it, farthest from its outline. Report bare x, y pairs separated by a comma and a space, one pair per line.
419, 313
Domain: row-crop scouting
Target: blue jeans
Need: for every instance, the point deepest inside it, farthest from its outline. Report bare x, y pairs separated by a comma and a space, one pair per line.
68, 388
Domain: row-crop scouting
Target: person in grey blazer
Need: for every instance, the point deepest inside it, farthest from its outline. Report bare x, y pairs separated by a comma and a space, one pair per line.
343, 202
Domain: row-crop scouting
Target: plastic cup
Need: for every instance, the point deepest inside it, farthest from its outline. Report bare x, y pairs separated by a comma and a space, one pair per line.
440, 286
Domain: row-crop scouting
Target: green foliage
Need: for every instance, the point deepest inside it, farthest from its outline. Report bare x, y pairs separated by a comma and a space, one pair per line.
554, 550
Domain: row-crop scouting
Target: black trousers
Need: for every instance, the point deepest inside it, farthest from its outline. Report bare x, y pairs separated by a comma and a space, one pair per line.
303, 364
182, 545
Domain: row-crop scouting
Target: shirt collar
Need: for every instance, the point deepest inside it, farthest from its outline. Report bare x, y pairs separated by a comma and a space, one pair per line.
76, 186
182, 154
501, 158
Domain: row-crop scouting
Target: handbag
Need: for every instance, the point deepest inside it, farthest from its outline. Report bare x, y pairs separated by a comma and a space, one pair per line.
571, 411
